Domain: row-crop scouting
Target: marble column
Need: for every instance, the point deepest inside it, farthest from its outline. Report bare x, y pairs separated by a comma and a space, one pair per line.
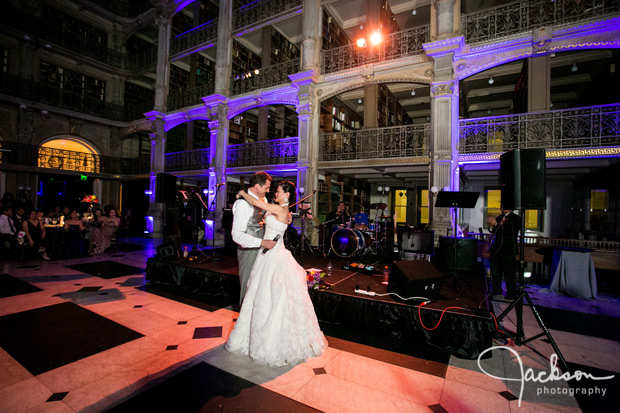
218, 129
223, 58
311, 36
155, 214
539, 83
162, 71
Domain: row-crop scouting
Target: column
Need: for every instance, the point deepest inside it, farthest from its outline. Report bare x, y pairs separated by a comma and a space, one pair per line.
444, 140
163, 67
218, 129
223, 62
445, 19
371, 103
538, 83
311, 36
155, 214
263, 111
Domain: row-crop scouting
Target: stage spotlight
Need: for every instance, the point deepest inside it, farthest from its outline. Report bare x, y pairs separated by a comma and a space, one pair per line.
375, 38
361, 42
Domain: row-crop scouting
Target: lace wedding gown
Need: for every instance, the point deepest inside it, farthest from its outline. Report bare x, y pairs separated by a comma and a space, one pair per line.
277, 324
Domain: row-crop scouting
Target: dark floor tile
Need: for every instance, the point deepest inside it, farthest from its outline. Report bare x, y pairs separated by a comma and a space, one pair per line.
133, 282
10, 286
594, 325
84, 289
437, 408
589, 392
508, 396
50, 337
57, 396
207, 332
206, 388
319, 370
107, 269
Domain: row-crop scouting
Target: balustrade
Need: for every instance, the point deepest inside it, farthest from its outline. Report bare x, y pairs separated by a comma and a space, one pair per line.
273, 152
190, 97
588, 127
394, 46
259, 10
188, 160
524, 16
202, 34
267, 77
392, 142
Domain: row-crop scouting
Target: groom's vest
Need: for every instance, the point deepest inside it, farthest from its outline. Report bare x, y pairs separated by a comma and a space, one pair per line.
256, 226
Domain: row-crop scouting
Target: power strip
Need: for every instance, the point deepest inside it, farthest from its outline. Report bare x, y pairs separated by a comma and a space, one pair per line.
365, 292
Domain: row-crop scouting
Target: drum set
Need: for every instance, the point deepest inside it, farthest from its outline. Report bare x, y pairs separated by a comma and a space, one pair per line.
361, 236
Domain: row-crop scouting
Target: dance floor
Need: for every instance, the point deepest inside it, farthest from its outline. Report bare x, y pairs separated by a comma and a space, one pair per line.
93, 334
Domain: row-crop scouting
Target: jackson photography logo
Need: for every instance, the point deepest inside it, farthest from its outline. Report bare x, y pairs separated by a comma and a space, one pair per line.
554, 374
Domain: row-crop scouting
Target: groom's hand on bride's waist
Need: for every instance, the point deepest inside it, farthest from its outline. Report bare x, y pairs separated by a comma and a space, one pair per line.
267, 244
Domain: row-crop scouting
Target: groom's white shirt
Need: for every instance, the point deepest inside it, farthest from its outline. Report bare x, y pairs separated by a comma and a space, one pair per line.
242, 211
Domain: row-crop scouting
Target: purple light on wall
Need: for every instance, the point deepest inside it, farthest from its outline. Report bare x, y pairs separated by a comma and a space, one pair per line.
193, 29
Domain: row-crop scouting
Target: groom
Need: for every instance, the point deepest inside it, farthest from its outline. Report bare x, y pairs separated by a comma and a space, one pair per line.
248, 228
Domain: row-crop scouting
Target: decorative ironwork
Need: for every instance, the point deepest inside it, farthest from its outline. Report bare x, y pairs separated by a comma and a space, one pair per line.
394, 46
392, 142
267, 77
589, 127
18, 156
524, 16
188, 160
190, 97
259, 10
273, 152
204, 34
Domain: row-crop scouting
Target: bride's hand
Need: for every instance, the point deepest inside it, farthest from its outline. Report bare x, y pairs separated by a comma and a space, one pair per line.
289, 218
240, 194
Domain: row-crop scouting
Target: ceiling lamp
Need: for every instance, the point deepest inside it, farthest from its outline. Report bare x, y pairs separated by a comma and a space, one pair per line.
489, 111
359, 101
491, 81
574, 68
412, 92
362, 26
414, 12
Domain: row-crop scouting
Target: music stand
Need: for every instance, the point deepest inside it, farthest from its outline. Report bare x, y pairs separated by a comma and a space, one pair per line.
456, 200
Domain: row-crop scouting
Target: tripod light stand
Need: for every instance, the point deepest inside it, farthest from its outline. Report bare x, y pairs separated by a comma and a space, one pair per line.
211, 212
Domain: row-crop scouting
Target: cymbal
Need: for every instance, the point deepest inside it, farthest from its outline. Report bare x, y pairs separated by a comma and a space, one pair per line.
379, 205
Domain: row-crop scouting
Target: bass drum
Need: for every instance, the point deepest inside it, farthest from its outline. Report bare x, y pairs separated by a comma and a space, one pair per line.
347, 242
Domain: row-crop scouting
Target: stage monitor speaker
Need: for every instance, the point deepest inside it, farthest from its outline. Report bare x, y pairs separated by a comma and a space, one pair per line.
166, 188
523, 179
466, 254
169, 250
418, 241
417, 278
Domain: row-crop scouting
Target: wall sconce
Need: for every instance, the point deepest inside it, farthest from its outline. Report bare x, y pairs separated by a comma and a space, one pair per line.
383, 190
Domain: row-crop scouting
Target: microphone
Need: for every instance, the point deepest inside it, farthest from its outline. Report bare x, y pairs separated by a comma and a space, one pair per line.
220, 184
275, 239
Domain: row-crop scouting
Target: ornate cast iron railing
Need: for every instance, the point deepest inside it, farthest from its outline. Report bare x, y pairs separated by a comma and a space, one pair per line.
392, 142
205, 33
259, 10
190, 97
268, 76
394, 46
274, 152
524, 16
125, 8
18, 156
587, 127
188, 160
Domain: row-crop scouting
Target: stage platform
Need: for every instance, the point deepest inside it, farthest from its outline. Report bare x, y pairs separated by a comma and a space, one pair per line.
456, 321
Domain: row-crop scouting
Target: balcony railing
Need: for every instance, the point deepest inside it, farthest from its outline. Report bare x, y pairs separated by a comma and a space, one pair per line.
125, 8
392, 142
394, 46
260, 10
273, 152
20, 156
202, 34
267, 77
588, 127
188, 160
524, 16
190, 97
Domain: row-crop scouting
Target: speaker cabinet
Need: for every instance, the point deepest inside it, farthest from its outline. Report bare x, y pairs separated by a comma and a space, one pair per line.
169, 250
523, 179
417, 278
166, 188
466, 254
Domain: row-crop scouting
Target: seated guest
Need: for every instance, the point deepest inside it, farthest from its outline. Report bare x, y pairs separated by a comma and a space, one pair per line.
35, 233
107, 229
94, 232
8, 232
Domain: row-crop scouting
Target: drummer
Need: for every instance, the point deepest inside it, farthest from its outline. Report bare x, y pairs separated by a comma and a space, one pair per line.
341, 216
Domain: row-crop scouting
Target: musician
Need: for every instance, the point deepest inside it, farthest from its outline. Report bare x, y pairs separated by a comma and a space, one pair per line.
341, 216
503, 252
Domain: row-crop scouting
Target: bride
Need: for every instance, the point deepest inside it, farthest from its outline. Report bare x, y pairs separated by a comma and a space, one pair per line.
277, 324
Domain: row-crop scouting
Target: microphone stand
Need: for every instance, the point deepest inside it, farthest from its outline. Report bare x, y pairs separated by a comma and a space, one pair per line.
210, 210
196, 196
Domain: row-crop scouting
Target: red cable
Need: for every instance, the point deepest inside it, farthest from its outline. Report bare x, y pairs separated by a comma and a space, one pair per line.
446, 309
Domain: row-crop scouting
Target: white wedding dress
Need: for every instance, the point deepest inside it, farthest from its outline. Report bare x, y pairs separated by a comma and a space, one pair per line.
277, 324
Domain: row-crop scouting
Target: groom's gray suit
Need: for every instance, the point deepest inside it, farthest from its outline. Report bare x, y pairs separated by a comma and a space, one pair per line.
248, 230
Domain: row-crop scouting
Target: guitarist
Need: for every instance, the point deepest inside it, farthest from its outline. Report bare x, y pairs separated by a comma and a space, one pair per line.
503, 252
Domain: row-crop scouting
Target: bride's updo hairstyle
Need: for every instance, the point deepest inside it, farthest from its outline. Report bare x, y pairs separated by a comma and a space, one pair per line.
289, 187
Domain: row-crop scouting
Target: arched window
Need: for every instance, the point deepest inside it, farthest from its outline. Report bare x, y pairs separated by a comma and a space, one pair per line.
69, 154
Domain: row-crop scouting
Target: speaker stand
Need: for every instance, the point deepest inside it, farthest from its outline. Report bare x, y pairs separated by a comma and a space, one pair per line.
517, 304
